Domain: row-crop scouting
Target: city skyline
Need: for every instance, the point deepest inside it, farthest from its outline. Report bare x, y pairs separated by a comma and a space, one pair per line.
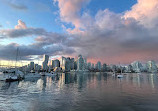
80, 64
108, 30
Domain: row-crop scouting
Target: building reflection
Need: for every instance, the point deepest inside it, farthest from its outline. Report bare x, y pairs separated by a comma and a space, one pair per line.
82, 80
41, 83
151, 78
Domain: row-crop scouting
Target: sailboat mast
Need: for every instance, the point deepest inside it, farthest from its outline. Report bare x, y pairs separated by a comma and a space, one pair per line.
16, 58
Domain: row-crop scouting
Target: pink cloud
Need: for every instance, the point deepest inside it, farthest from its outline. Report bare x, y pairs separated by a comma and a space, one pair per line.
21, 25
70, 11
145, 11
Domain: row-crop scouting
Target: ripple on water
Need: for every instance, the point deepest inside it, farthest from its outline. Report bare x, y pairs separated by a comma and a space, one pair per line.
77, 92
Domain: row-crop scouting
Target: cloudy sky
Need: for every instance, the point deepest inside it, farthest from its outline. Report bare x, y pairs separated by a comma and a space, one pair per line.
111, 31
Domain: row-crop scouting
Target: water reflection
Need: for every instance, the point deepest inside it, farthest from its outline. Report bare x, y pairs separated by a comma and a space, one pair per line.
81, 91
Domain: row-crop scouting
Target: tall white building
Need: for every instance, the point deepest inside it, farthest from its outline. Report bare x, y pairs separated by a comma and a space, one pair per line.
45, 62
137, 66
67, 64
151, 66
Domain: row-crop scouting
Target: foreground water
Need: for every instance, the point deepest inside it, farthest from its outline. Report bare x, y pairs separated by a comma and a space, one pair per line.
81, 92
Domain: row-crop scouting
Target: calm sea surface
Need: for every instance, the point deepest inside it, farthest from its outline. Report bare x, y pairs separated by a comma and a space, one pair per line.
81, 92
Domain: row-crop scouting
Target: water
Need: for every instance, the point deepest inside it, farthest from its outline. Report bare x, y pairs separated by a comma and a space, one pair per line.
82, 92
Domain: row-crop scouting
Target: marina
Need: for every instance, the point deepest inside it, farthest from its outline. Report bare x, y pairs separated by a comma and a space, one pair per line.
86, 92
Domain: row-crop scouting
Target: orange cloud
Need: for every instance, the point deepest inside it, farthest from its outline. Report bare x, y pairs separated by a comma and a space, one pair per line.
21, 25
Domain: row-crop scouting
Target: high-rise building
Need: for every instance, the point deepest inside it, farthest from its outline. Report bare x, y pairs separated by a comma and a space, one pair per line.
75, 65
137, 66
45, 62
55, 63
92, 66
52, 63
129, 68
31, 65
85, 64
98, 66
104, 68
80, 63
66, 64
72, 63
89, 66
63, 63
37, 67
45, 58
151, 66
113, 67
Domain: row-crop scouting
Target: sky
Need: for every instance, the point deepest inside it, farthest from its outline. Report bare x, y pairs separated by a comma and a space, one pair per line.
110, 31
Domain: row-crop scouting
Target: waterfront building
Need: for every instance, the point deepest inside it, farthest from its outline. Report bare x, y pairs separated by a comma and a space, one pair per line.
113, 68
92, 66
89, 65
98, 66
72, 63
104, 68
45, 62
151, 66
52, 64
67, 64
31, 65
63, 63
129, 68
37, 67
85, 64
75, 65
55, 63
80, 63
137, 66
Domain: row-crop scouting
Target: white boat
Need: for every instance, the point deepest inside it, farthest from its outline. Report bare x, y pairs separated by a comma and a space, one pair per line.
12, 78
119, 76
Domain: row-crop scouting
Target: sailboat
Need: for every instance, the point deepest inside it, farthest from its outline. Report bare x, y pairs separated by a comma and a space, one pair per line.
17, 76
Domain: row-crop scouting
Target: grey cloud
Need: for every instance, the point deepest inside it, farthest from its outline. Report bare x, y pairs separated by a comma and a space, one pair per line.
117, 40
8, 52
15, 33
18, 6
44, 37
15, 4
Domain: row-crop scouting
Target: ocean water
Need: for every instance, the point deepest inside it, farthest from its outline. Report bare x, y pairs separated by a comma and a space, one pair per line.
82, 92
